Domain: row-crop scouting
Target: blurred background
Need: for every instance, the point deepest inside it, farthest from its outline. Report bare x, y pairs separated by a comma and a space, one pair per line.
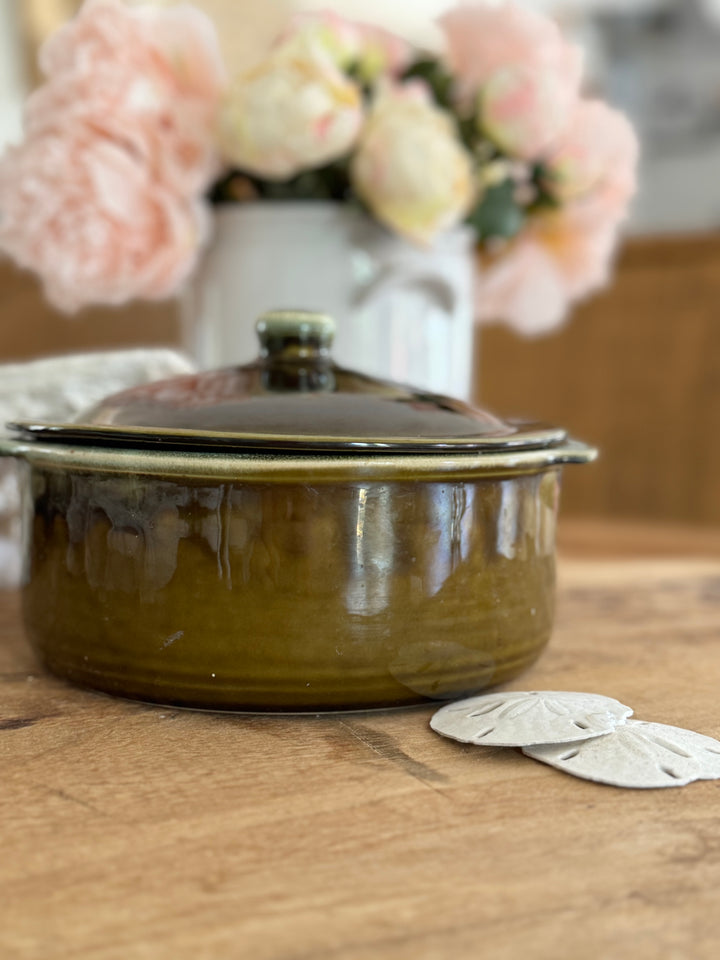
637, 369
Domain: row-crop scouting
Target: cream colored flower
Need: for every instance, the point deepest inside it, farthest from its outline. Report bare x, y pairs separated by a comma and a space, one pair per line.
410, 167
372, 51
293, 112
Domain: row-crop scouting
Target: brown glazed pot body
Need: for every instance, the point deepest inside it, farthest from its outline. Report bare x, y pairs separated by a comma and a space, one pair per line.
289, 535
288, 593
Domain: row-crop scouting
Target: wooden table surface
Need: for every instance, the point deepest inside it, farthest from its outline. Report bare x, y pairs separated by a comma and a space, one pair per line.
132, 832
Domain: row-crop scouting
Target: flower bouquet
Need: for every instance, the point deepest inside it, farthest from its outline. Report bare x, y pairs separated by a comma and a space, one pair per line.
138, 130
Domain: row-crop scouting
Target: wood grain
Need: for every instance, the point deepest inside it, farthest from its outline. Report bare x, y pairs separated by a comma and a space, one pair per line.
132, 832
614, 539
31, 328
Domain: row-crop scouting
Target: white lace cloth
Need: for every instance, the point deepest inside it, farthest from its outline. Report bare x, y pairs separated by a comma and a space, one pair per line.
59, 389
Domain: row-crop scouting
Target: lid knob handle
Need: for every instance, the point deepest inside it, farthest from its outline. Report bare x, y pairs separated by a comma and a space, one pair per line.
295, 334
295, 351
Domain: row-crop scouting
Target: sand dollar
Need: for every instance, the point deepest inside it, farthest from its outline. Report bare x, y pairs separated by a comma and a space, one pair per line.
637, 754
520, 719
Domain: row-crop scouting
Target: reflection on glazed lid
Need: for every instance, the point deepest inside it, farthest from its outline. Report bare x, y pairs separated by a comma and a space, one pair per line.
293, 397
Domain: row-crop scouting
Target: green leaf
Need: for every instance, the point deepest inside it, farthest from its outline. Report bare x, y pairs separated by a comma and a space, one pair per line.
468, 130
355, 72
542, 177
497, 214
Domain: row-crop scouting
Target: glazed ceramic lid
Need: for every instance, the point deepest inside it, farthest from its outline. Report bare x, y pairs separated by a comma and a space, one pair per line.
293, 398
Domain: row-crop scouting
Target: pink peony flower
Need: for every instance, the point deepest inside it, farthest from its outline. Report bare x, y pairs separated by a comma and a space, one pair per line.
148, 78
522, 288
483, 38
597, 153
410, 167
103, 198
95, 224
526, 75
561, 258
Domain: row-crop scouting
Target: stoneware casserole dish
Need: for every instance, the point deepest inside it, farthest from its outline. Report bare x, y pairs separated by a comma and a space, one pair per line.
289, 536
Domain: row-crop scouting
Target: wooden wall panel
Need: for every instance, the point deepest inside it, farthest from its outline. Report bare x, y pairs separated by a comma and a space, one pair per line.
29, 327
636, 371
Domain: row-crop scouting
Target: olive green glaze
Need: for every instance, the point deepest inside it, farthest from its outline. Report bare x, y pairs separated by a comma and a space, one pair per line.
289, 535
288, 595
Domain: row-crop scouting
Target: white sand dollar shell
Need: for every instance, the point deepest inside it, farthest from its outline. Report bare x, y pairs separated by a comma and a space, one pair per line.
520, 719
637, 754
